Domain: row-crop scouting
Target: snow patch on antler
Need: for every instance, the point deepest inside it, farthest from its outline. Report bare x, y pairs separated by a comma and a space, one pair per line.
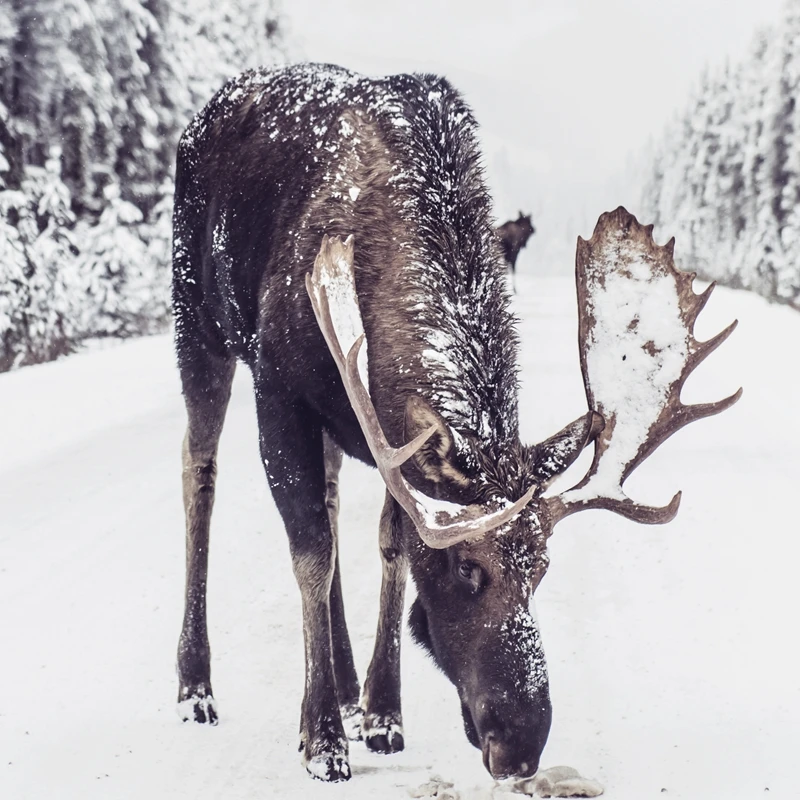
638, 344
440, 514
436, 513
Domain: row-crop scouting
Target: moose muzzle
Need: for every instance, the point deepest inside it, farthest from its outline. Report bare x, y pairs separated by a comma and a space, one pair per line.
510, 735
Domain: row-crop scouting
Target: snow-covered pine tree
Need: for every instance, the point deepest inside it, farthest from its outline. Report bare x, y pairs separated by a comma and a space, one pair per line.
214, 41
94, 95
726, 178
38, 283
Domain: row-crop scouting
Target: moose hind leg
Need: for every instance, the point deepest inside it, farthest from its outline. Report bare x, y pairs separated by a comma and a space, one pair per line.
344, 669
383, 719
292, 451
207, 386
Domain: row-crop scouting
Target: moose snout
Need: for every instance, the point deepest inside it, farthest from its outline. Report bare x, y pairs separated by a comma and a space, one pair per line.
502, 761
511, 735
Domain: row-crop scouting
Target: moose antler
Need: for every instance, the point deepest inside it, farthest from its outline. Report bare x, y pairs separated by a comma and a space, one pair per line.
637, 315
331, 288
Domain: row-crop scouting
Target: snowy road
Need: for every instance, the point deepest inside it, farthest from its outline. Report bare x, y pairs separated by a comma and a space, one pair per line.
672, 659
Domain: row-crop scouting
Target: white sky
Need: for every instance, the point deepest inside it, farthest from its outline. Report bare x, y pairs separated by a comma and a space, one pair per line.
567, 92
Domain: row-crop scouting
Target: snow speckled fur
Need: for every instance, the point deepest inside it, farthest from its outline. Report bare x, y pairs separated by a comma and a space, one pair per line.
277, 159
452, 276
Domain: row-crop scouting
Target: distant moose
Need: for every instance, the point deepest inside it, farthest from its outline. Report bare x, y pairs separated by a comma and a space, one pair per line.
513, 236
334, 233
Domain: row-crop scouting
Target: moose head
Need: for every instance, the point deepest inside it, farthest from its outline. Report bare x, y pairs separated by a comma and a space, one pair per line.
477, 520
525, 226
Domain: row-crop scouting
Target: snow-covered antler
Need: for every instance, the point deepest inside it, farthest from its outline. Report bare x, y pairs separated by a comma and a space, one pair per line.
332, 290
637, 314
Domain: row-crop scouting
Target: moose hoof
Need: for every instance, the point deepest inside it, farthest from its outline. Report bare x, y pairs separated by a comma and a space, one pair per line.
383, 733
352, 721
329, 767
325, 755
197, 705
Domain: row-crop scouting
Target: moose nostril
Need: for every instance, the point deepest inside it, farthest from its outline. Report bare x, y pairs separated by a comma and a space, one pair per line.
496, 759
487, 752
501, 762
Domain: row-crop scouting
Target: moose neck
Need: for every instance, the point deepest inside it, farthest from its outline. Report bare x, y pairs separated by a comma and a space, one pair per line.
437, 311
405, 181
448, 337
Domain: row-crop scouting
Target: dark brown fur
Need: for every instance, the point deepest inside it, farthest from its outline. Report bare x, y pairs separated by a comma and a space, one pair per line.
276, 160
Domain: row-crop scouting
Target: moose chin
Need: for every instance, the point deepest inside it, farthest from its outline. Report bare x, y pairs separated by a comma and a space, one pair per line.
334, 233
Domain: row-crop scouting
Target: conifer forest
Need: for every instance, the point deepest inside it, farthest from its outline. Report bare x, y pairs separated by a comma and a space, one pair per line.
94, 95
725, 180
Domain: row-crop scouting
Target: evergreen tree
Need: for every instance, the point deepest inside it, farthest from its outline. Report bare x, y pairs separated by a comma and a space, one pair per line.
94, 95
727, 179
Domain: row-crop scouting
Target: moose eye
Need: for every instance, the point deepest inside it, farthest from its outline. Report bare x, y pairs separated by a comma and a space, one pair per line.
472, 575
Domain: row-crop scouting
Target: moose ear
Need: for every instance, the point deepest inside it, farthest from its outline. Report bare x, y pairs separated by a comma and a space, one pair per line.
435, 459
554, 455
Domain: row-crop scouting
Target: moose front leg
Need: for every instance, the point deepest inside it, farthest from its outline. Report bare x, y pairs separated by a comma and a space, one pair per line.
344, 669
292, 451
207, 383
383, 722
322, 740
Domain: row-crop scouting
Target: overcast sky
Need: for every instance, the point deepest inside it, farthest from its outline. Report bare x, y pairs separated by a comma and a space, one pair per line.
566, 91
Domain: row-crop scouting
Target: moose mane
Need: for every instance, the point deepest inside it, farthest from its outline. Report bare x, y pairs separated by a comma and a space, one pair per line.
454, 279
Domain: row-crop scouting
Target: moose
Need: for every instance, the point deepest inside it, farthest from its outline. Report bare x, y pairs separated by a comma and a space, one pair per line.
334, 233
513, 236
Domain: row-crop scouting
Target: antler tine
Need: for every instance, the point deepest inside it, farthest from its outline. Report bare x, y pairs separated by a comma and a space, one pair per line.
390, 456
699, 301
647, 515
439, 524
702, 350
697, 411
636, 324
681, 415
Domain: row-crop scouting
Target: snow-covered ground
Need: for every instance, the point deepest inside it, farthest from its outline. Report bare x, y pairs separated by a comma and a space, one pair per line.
674, 669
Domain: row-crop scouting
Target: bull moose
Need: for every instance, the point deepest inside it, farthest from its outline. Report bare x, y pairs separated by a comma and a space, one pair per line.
513, 236
400, 350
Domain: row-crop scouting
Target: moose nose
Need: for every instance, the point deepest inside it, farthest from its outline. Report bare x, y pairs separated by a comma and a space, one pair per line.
502, 762
512, 735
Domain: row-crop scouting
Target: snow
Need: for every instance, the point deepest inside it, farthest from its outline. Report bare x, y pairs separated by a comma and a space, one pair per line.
560, 782
352, 720
551, 782
637, 348
668, 653
320, 768
436, 787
